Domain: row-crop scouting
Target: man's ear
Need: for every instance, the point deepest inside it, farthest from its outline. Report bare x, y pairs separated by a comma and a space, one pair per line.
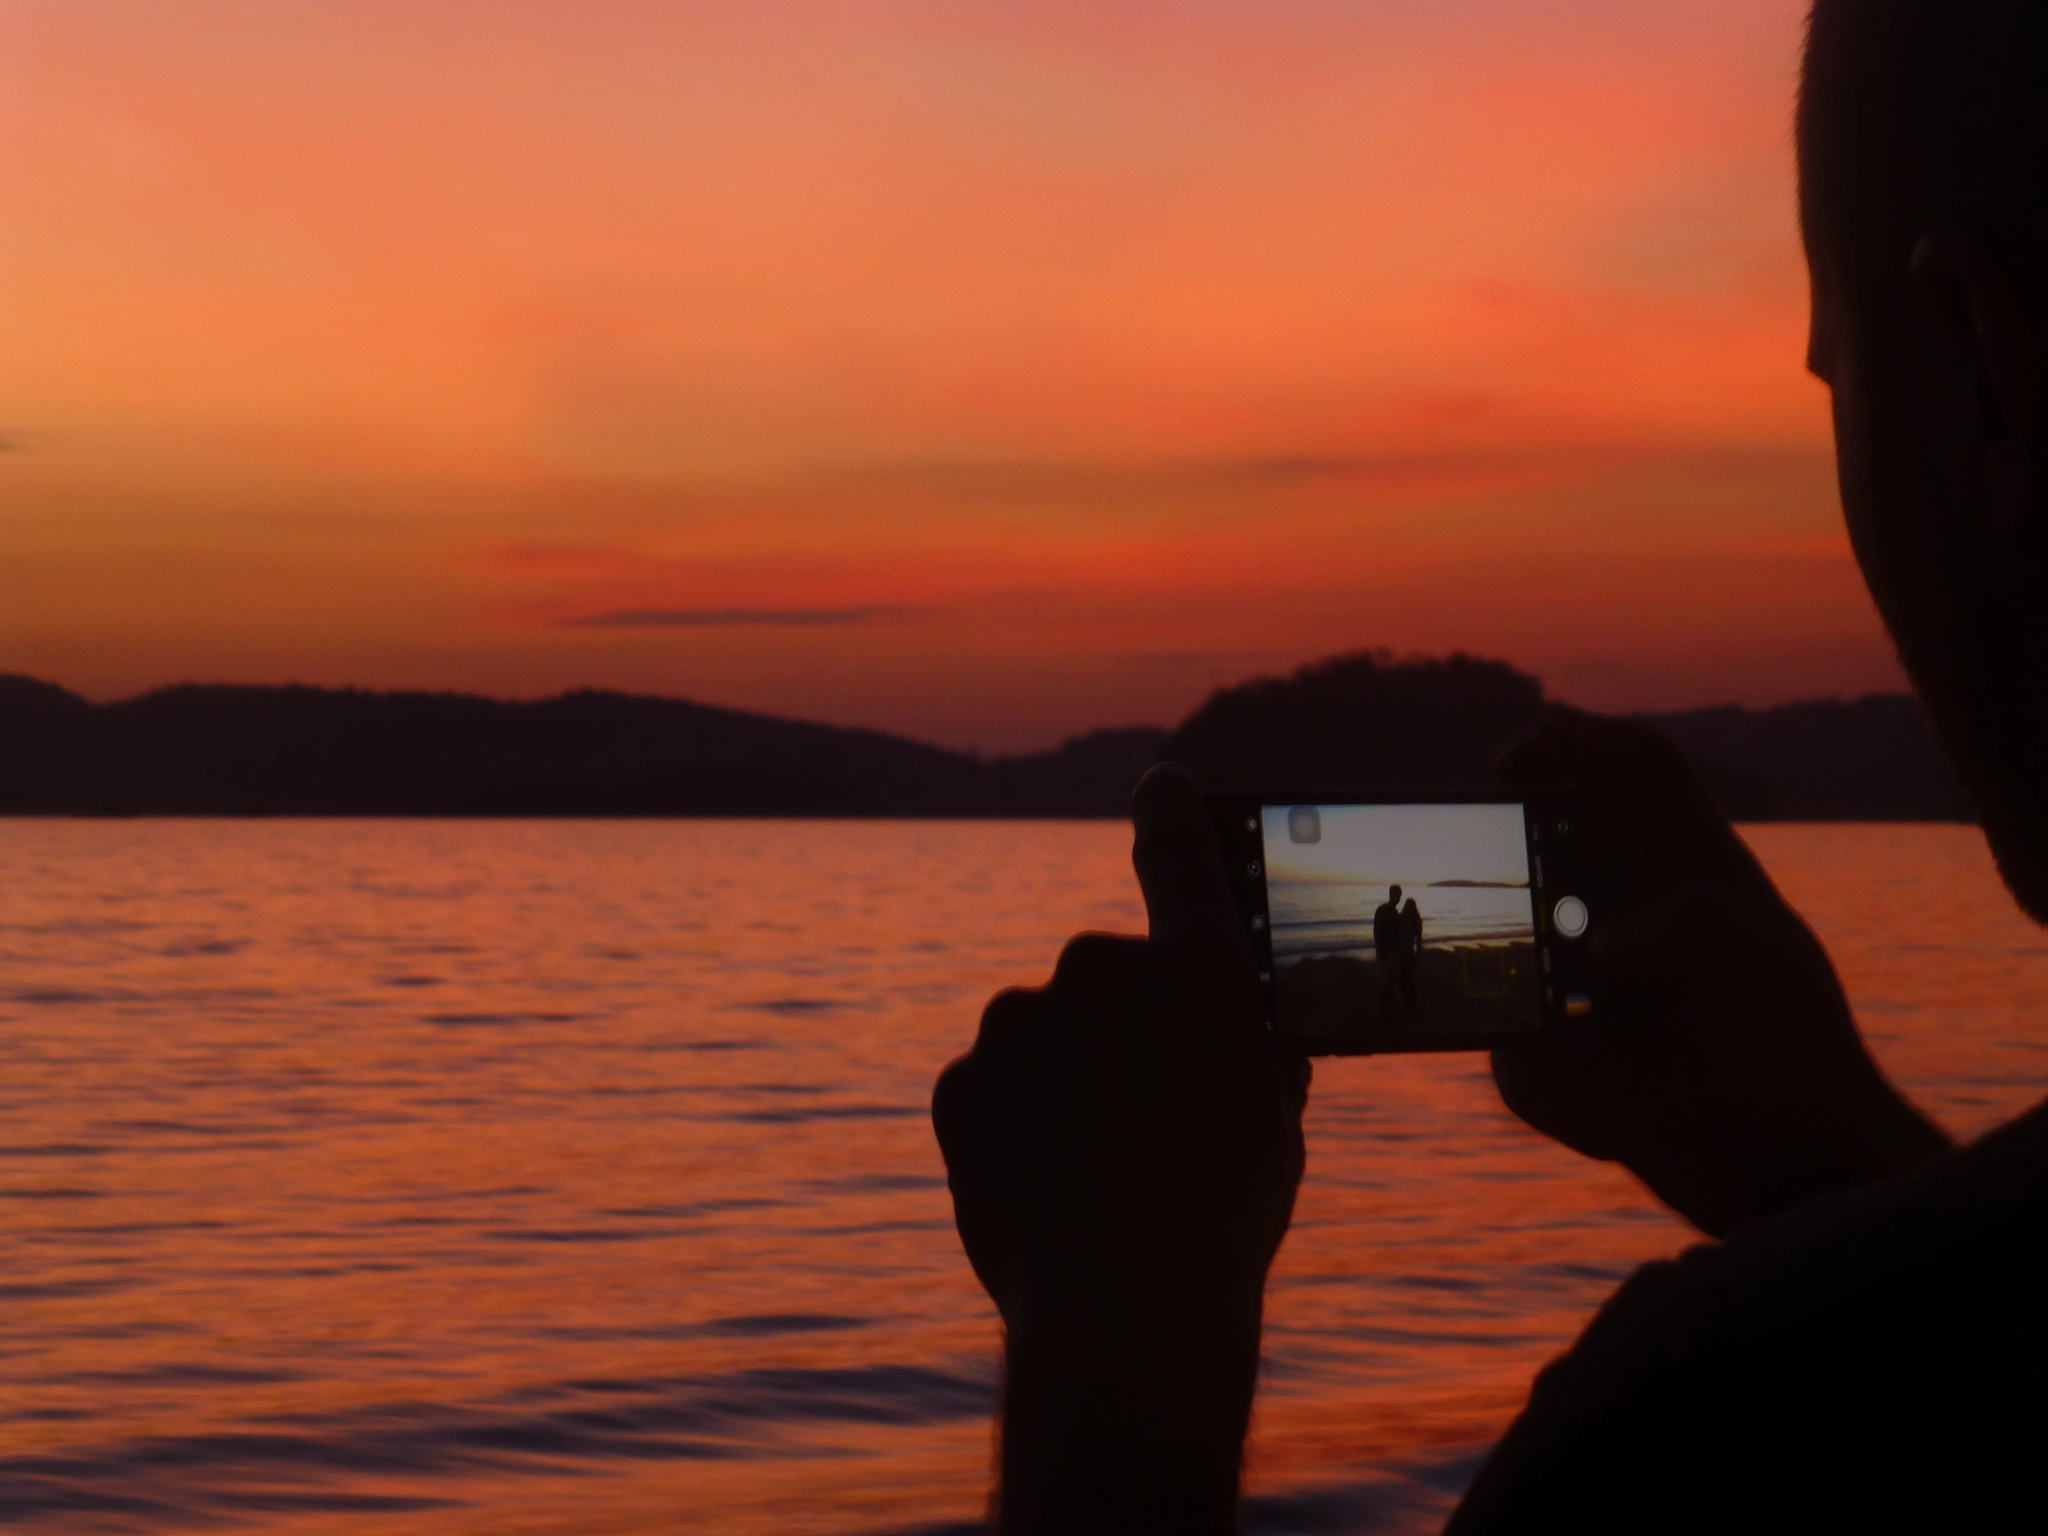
1992, 339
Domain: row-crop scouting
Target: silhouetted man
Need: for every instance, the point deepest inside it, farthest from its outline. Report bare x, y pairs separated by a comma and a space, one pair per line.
1866, 1347
1386, 949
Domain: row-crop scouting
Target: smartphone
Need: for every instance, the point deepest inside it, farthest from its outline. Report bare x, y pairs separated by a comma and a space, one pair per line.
1424, 922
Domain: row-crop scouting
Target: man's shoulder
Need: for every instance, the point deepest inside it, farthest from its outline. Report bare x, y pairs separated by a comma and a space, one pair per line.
1992, 1194
1867, 1349
1960, 1224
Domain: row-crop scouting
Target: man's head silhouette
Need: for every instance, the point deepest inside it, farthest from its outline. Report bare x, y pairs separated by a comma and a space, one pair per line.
1923, 179
1394, 895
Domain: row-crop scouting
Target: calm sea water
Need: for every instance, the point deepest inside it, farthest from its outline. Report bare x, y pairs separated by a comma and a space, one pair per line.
575, 1177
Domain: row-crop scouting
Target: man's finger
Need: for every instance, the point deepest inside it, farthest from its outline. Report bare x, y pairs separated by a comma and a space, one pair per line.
1103, 965
1549, 1091
1296, 1073
1676, 819
1601, 751
1668, 933
954, 1109
1180, 868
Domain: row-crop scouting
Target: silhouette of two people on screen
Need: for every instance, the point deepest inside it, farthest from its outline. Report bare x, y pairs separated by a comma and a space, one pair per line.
1397, 947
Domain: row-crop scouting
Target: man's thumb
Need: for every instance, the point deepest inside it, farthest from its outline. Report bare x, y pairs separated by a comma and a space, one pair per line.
1180, 864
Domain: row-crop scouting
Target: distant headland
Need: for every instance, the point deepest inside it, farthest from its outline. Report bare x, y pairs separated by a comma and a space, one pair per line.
1366, 720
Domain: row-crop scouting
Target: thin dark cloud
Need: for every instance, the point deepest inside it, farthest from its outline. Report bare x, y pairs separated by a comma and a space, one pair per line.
1002, 479
1178, 660
741, 618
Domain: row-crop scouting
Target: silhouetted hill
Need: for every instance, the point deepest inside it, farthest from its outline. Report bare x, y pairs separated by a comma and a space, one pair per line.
318, 752
1091, 775
1868, 759
1362, 721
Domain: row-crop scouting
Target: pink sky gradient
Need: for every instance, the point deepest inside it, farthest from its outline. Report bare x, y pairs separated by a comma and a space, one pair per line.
981, 372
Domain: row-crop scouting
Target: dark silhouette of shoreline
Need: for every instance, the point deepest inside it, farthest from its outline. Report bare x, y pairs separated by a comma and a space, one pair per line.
1365, 721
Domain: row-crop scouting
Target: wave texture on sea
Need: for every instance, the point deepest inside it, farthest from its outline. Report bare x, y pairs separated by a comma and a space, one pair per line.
453, 1177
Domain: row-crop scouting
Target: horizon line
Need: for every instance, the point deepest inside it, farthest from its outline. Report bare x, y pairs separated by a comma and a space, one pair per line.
8, 676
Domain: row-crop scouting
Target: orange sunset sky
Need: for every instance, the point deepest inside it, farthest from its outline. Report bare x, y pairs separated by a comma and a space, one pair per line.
984, 371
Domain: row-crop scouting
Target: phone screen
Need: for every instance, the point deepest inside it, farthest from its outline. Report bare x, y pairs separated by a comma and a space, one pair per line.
1400, 926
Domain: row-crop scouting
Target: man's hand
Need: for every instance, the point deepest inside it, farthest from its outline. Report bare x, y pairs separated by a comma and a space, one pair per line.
1721, 1065
1123, 1148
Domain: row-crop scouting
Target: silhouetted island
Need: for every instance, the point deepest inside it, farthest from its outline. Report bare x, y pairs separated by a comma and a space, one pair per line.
1366, 721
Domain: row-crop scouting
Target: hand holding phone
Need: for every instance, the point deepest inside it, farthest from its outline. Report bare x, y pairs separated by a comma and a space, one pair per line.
1723, 1066
1123, 1147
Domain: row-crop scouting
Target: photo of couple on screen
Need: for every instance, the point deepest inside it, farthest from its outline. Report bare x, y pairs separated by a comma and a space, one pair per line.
1392, 921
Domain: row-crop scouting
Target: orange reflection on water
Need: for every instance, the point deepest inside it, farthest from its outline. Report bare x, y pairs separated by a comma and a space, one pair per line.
563, 1177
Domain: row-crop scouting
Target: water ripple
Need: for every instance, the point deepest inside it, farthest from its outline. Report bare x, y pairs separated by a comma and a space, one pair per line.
742, 1414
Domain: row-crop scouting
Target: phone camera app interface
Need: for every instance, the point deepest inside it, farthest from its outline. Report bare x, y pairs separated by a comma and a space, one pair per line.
1400, 922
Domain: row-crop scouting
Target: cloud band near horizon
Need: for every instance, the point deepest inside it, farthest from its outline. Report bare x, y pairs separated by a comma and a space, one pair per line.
722, 618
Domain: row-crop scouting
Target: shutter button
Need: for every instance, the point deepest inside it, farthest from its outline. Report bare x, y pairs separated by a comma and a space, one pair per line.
1570, 916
